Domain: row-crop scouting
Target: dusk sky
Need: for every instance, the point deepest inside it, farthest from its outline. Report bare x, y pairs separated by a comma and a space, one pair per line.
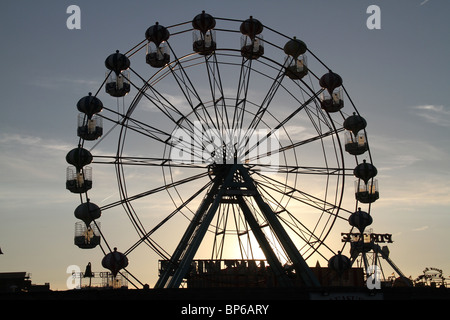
398, 76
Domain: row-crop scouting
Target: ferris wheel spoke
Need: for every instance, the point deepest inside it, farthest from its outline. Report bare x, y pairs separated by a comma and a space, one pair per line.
241, 93
281, 123
215, 84
147, 236
157, 99
312, 241
271, 92
192, 97
164, 105
189, 149
306, 170
137, 126
217, 91
308, 236
144, 161
174, 139
311, 237
295, 194
319, 119
292, 145
155, 190
301, 196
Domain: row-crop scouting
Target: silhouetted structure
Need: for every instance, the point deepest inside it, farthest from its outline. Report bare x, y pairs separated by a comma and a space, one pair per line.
233, 141
14, 282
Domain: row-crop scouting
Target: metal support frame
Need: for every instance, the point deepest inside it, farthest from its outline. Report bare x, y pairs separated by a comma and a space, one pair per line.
179, 264
378, 250
274, 263
300, 266
225, 183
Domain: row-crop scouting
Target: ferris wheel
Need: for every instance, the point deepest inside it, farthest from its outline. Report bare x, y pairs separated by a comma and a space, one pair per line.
229, 140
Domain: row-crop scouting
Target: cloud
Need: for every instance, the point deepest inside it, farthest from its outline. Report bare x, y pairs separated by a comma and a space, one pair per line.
16, 144
412, 173
53, 83
424, 2
295, 132
421, 228
166, 101
33, 172
26, 158
434, 114
393, 153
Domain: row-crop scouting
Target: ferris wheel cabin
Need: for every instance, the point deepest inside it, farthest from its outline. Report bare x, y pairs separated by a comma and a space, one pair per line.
204, 37
118, 85
367, 192
89, 129
117, 76
355, 145
366, 187
355, 136
331, 99
157, 56
87, 232
296, 64
252, 44
90, 125
87, 236
78, 181
157, 49
79, 175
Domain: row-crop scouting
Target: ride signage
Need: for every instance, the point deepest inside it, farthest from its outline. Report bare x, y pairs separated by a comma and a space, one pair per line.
367, 237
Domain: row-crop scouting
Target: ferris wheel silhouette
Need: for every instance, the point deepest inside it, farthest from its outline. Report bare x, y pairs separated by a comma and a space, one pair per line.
244, 130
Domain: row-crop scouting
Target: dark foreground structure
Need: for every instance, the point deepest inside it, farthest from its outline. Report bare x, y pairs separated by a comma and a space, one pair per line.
241, 295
